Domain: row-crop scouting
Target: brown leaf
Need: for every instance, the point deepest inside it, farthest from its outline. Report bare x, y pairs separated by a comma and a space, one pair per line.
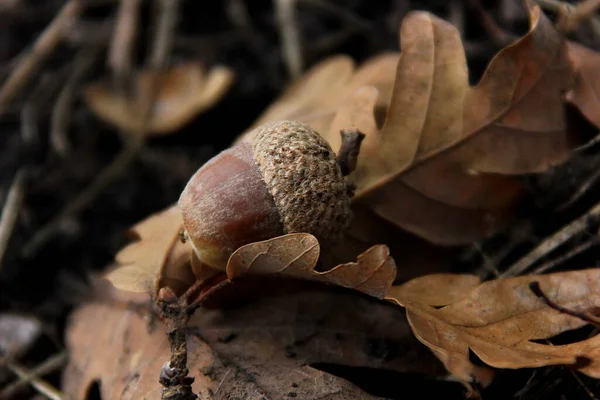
183, 91
261, 350
501, 321
156, 259
442, 164
585, 94
296, 255
316, 97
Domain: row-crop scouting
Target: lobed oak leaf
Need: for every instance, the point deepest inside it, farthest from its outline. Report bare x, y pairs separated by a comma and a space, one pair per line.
296, 255
182, 92
502, 321
442, 166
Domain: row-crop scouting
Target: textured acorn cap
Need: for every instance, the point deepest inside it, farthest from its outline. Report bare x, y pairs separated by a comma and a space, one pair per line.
301, 173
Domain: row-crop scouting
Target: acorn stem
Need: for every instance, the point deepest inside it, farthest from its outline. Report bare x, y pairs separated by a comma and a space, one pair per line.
349, 149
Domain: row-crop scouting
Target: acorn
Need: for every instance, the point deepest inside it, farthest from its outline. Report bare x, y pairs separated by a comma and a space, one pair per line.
284, 178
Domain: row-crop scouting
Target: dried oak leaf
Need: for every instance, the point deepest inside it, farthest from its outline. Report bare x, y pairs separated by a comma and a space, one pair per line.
443, 164
265, 349
586, 93
182, 92
296, 255
502, 321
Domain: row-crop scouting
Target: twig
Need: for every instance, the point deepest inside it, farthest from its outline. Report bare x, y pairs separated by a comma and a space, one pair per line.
570, 15
587, 390
353, 21
50, 365
567, 256
11, 209
123, 40
61, 113
348, 153
39, 384
43, 46
290, 37
584, 316
163, 38
551, 243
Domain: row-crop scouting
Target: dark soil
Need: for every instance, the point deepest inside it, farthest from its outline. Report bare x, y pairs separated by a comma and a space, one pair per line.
48, 275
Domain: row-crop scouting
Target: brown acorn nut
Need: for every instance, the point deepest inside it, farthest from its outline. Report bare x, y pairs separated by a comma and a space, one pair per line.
284, 180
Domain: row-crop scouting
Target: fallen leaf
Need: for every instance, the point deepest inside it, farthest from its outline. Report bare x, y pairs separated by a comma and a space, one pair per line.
502, 321
585, 94
156, 259
266, 349
296, 255
183, 91
442, 166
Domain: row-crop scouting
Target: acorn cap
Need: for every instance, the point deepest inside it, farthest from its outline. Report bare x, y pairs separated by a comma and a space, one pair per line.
301, 172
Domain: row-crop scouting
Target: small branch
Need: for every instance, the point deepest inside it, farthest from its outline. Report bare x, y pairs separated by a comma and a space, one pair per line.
349, 149
50, 365
61, 112
33, 59
177, 385
537, 290
123, 40
11, 209
551, 243
594, 241
290, 37
39, 384
570, 15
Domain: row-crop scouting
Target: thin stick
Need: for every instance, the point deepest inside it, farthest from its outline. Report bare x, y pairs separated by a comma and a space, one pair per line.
123, 40
39, 384
567, 256
537, 290
551, 243
50, 365
349, 149
290, 38
10, 211
43, 46
571, 15
168, 12
61, 113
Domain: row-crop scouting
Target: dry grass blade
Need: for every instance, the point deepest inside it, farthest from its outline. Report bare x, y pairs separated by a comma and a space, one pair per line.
43, 46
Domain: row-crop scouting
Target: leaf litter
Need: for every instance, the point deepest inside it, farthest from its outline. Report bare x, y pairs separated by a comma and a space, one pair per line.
432, 165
